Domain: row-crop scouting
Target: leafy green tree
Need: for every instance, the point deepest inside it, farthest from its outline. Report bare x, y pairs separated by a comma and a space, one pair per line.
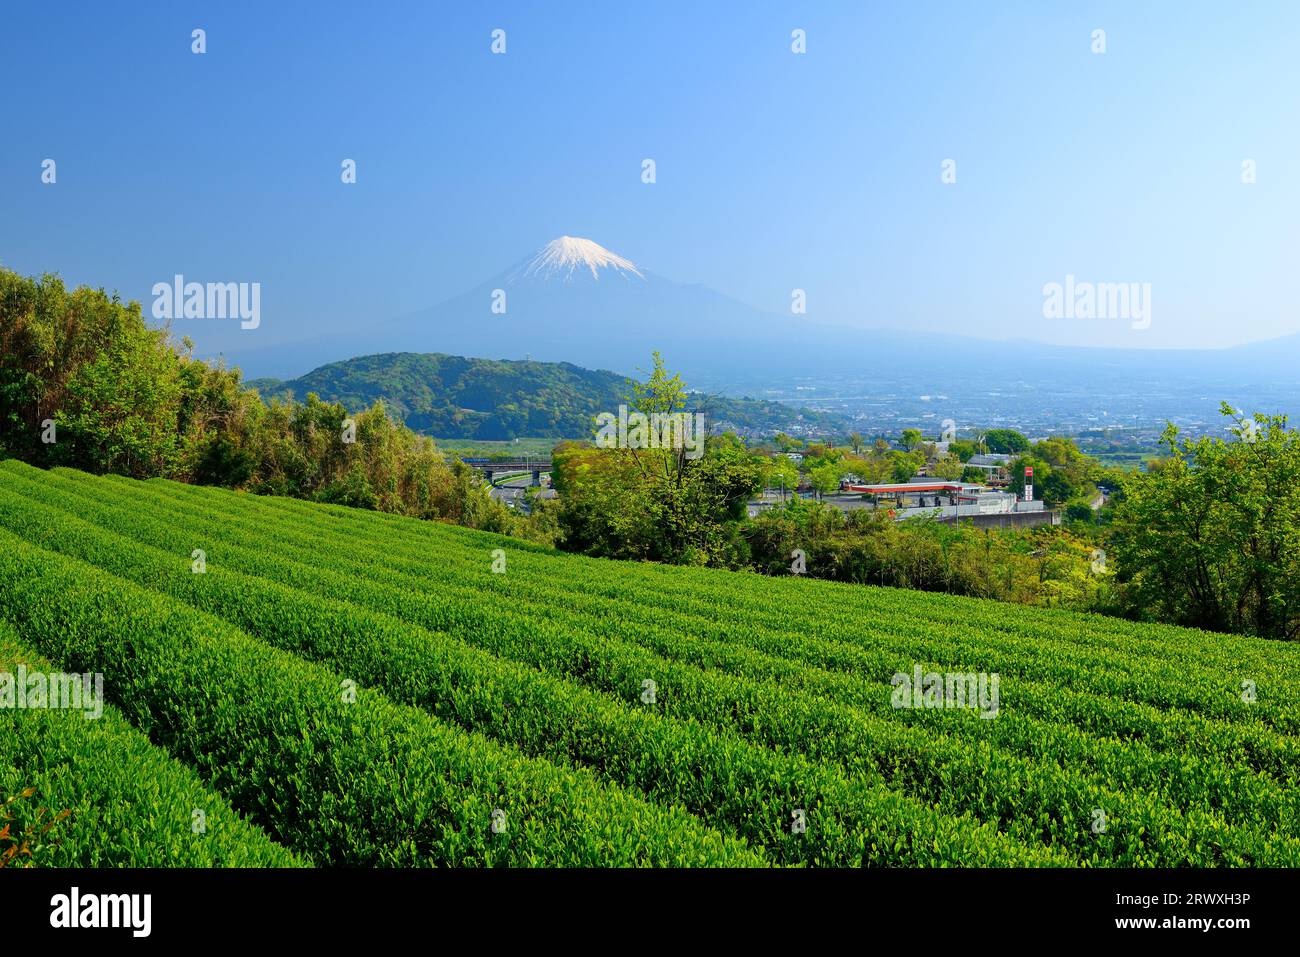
1006, 441
1062, 472
1210, 535
655, 503
1051, 487
904, 465
1079, 512
964, 449
825, 478
910, 439
780, 473
223, 462
120, 410
948, 467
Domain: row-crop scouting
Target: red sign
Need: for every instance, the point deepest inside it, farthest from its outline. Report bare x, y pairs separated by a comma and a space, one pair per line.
1029, 471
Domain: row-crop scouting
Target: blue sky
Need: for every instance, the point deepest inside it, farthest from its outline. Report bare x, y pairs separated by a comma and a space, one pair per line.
775, 171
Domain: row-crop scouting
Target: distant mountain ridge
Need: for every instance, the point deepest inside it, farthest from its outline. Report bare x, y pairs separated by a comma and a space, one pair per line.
449, 396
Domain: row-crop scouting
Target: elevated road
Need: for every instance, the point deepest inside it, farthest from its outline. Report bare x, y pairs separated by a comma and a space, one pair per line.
537, 466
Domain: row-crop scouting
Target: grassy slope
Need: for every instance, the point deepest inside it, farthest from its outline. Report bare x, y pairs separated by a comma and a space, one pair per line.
786, 676
127, 802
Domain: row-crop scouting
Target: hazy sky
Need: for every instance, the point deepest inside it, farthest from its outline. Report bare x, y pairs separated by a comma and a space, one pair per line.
775, 170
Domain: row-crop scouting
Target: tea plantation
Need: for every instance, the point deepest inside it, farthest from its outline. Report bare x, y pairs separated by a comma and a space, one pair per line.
296, 684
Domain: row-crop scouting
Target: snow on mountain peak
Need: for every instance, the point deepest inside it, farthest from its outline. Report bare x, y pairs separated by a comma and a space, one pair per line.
560, 257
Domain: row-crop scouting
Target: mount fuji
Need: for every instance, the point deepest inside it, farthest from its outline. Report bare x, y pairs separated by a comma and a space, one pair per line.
560, 257
576, 301
571, 301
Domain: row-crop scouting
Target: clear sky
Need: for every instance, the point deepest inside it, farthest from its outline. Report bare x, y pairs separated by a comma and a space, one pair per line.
774, 170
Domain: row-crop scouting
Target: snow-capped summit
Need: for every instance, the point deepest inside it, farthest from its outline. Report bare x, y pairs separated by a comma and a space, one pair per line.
560, 257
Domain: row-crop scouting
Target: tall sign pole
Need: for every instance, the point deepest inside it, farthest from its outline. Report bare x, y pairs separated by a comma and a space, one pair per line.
1029, 483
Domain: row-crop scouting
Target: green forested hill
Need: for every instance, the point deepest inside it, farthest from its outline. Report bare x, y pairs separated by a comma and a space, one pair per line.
457, 397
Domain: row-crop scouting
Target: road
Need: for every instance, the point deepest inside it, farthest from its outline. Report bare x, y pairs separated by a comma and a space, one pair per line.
511, 492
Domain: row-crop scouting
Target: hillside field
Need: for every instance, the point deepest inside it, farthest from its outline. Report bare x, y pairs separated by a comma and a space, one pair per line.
336, 687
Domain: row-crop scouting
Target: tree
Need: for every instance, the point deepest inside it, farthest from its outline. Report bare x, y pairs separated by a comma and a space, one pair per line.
780, 473
947, 467
856, 439
121, 408
910, 439
825, 478
1062, 472
904, 465
1210, 535
85, 361
1018, 481
1079, 512
660, 504
1005, 441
